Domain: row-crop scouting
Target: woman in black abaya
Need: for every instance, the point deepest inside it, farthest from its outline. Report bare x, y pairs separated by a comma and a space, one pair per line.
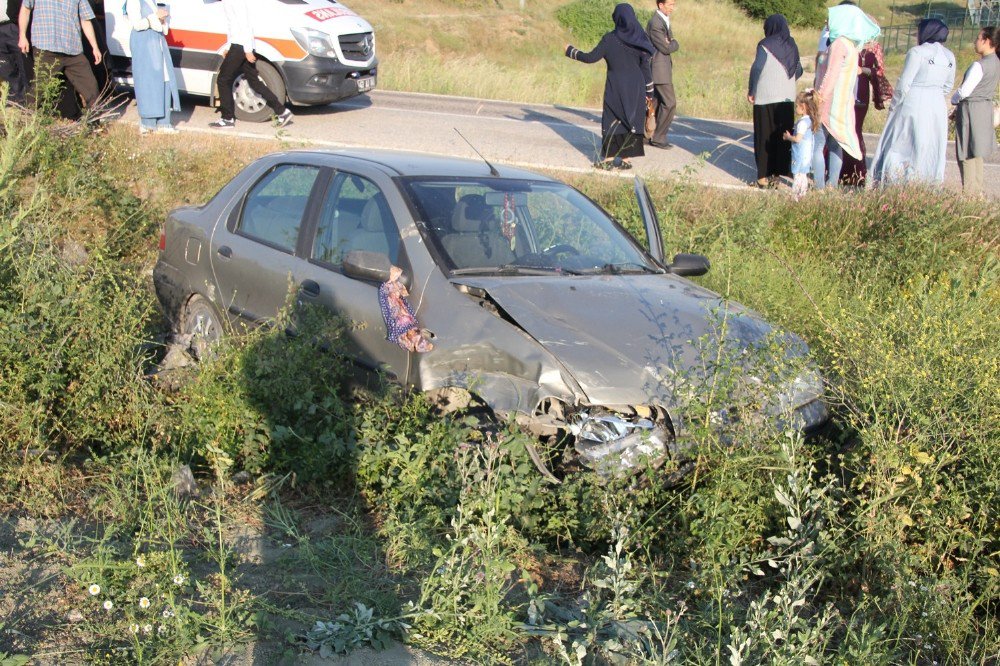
627, 51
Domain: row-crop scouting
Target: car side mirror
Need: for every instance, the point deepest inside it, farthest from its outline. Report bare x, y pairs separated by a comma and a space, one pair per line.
370, 266
689, 264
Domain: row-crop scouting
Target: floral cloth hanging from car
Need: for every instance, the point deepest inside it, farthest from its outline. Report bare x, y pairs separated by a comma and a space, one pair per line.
400, 322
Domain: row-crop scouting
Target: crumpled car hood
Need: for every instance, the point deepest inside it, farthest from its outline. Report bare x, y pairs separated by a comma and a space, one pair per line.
627, 339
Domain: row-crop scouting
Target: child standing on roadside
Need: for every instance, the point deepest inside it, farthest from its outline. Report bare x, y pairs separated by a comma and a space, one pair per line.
803, 140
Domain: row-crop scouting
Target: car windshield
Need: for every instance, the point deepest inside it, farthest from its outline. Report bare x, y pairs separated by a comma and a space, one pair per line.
521, 227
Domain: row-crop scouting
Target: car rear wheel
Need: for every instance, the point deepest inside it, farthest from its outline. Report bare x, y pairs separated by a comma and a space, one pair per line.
251, 107
200, 320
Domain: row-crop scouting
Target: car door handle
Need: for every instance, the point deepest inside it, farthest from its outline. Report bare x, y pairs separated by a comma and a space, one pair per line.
225, 252
309, 288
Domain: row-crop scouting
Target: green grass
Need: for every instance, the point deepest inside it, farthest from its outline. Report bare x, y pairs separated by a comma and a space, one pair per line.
373, 515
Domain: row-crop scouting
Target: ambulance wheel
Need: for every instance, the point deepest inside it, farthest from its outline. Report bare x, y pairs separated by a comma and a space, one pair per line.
250, 107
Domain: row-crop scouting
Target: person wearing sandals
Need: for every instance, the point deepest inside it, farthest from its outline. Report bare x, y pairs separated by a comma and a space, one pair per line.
627, 52
771, 90
975, 137
152, 70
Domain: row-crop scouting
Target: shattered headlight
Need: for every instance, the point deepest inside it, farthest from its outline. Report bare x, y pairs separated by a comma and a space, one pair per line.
799, 405
611, 444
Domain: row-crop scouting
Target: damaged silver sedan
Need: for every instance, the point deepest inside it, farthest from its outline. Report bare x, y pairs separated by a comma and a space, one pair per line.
486, 285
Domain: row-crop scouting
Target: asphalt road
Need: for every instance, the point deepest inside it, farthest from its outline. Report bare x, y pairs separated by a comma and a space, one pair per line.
714, 152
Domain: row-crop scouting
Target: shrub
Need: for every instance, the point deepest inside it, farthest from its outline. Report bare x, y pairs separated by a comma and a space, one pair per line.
74, 316
588, 20
273, 402
810, 13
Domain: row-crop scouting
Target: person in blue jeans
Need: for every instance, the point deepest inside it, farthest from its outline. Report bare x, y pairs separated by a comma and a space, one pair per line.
803, 141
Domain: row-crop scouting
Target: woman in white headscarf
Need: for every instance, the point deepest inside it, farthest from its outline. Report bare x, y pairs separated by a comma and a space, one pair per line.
152, 70
913, 145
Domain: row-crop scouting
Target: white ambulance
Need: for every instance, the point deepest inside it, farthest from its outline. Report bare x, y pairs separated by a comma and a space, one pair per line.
309, 51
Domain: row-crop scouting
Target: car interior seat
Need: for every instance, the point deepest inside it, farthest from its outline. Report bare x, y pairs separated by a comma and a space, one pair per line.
475, 239
371, 234
275, 220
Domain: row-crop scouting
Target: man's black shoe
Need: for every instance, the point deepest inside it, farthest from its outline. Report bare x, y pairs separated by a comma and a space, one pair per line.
666, 145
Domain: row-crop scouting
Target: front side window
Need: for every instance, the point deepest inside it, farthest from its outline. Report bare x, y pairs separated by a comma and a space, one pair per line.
512, 226
274, 208
354, 216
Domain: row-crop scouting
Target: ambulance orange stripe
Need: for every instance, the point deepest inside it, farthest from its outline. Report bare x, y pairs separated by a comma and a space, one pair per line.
213, 41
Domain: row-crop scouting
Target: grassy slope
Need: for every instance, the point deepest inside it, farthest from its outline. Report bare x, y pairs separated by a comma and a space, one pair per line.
896, 291
495, 51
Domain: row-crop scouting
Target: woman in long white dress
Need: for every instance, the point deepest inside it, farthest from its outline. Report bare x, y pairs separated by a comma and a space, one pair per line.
913, 146
152, 70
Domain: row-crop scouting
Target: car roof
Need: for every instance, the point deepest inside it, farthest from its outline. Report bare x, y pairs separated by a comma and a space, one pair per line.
419, 164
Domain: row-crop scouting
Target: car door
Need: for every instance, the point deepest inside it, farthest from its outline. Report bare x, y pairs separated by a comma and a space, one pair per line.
654, 238
254, 260
354, 214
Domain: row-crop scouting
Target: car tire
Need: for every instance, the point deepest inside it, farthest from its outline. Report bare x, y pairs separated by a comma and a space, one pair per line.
250, 107
201, 321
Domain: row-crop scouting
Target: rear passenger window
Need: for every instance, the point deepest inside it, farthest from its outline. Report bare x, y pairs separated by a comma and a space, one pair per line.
355, 216
274, 208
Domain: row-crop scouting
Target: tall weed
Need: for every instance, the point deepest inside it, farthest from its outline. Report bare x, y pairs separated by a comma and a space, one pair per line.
73, 315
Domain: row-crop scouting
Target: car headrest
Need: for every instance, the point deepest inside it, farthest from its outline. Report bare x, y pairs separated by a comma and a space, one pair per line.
371, 215
469, 214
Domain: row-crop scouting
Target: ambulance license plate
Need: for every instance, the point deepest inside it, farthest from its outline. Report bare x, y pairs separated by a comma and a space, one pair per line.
366, 83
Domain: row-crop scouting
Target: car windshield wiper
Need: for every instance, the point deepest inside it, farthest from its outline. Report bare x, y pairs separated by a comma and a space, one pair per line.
474, 270
515, 269
519, 269
625, 267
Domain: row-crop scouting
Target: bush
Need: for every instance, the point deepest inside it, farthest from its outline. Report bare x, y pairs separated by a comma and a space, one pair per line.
273, 402
588, 20
74, 313
811, 13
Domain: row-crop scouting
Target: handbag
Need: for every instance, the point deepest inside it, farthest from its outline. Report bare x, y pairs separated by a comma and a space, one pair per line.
883, 90
996, 115
651, 118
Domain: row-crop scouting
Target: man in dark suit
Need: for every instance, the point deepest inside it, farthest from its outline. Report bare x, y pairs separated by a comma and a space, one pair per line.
662, 36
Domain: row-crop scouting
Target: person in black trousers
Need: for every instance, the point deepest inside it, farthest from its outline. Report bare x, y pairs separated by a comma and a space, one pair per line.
14, 66
241, 59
